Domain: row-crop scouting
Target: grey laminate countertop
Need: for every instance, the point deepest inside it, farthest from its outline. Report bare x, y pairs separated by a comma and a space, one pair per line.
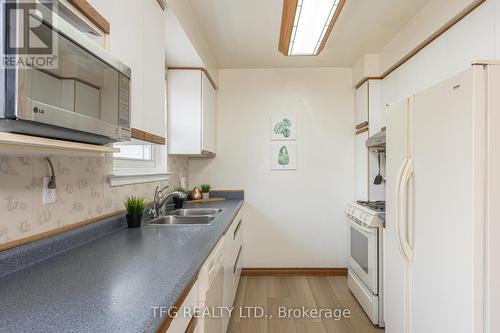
111, 283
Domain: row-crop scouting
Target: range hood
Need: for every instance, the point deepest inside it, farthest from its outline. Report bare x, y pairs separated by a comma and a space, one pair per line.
376, 141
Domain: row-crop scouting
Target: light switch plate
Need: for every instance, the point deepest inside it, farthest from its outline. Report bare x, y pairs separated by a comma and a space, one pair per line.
49, 194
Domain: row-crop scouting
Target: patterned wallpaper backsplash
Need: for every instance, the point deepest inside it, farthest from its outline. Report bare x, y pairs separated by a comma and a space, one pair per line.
82, 192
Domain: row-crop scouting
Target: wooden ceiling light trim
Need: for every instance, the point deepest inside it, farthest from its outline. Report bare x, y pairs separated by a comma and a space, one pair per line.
287, 18
335, 17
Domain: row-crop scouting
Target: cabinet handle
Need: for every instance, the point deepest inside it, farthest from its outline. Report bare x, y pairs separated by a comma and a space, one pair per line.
192, 325
237, 229
237, 259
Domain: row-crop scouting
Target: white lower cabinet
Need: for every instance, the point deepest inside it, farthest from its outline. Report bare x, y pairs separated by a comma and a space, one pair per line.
216, 285
180, 323
233, 247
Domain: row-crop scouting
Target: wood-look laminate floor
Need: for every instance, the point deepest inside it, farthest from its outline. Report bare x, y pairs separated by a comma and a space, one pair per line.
311, 292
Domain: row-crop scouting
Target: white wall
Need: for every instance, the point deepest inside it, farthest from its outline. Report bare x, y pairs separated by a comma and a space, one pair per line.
294, 218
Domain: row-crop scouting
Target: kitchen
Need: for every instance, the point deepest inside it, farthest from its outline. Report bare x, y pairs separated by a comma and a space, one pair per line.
354, 176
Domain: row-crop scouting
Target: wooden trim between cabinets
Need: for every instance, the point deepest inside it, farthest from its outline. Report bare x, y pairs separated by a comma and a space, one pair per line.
163, 4
361, 125
287, 18
149, 137
204, 70
207, 153
367, 79
294, 271
168, 319
92, 14
360, 131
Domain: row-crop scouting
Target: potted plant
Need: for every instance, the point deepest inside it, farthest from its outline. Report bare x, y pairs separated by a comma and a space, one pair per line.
178, 201
205, 191
135, 208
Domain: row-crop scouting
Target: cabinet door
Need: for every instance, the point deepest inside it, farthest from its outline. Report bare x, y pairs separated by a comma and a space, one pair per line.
362, 170
375, 106
184, 112
208, 115
228, 279
153, 67
362, 103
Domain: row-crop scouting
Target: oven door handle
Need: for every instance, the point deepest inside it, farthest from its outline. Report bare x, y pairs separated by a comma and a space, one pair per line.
364, 230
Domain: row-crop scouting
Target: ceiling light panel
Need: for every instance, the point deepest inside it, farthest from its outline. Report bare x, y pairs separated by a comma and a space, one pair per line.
310, 26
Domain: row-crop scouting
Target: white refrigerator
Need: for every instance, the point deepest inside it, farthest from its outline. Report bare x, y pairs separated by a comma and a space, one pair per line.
442, 244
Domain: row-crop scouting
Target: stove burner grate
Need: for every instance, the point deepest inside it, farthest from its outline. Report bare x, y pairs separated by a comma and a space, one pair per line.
378, 206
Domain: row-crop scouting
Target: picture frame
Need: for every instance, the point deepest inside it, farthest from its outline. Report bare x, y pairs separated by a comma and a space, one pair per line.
283, 155
283, 126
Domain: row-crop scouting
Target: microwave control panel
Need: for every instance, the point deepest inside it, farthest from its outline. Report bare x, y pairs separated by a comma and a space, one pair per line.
124, 103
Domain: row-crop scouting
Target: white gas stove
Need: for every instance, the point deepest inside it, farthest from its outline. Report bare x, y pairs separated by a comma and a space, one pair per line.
365, 260
367, 213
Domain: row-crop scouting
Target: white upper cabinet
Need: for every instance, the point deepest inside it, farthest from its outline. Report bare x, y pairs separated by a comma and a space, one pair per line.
191, 108
362, 103
137, 37
368, 115
208, 100
153, 69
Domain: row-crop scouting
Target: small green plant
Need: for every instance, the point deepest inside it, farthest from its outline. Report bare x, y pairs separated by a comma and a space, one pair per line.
135, 205
180, 189
205, 188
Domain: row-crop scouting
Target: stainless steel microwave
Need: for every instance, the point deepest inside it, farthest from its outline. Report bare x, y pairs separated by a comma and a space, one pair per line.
85, 98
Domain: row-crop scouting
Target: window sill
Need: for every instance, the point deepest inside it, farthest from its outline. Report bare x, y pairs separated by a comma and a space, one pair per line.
130, 179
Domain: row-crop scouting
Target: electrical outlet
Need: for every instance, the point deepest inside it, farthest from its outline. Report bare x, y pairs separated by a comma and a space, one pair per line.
49, 194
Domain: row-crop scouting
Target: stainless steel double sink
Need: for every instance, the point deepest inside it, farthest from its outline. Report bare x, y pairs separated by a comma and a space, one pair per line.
193, 216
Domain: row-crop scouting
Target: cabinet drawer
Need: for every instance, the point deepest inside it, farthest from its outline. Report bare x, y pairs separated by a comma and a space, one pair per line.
237, 271
235, 239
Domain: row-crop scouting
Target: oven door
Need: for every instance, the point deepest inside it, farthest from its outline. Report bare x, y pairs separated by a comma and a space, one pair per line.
363, 254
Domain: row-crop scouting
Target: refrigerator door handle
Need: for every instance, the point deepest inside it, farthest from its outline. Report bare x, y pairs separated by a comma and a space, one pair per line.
402, 208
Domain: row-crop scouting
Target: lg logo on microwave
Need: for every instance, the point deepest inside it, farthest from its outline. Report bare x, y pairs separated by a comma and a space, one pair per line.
29, 40
36, 110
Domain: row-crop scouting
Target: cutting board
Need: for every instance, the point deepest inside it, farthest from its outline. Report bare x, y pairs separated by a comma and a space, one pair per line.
205, 200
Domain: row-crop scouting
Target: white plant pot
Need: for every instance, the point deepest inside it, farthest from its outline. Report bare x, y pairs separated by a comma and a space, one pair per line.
205, 196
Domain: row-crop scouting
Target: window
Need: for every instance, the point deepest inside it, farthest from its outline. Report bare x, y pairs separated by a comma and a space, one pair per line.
138, 162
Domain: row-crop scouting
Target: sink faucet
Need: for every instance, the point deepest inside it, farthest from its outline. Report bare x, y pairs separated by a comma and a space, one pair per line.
159, 201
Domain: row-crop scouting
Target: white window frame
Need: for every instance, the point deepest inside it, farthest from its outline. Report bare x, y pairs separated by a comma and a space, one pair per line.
130, 171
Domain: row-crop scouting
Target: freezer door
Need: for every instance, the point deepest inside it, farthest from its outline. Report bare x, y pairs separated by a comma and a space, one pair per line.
443, 228
394, 264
